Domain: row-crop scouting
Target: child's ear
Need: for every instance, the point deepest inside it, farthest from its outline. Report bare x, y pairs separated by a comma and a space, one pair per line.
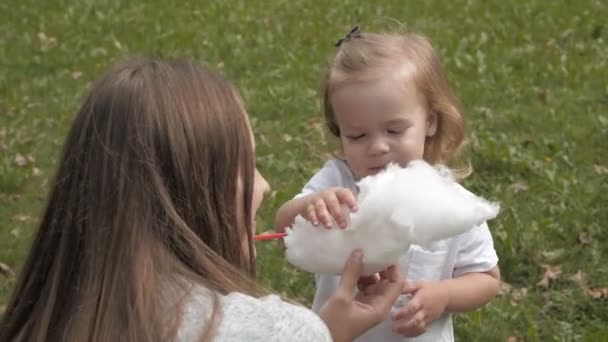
431, 124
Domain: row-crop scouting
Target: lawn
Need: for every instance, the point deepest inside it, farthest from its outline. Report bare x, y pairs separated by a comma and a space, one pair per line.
532, 77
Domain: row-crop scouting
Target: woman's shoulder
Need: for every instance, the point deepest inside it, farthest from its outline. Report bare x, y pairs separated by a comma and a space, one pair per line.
269, 318
244, 317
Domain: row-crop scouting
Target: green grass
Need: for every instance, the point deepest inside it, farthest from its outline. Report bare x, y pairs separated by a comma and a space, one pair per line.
532, 75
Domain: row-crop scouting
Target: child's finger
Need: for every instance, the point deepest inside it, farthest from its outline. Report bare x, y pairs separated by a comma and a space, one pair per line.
415, 326
412, 307
346, 196
331, 201
322, 213
417, 323
345, 214
312, 215
411, 288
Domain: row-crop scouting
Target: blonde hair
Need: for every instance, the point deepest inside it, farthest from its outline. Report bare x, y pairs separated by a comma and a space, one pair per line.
366, 55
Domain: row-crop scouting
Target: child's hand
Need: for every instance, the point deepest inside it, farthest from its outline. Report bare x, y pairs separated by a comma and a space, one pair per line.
428, 302
325, 205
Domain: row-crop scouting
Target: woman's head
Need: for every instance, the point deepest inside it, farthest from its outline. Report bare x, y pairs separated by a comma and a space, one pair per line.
391, 82
146, 190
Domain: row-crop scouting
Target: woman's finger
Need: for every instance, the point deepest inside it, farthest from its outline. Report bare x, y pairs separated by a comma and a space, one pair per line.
390, 273
351, 274
390, 289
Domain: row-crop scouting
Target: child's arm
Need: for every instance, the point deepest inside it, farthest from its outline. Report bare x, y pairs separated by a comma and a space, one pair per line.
319, 207
430, 300
288, 212
472, 290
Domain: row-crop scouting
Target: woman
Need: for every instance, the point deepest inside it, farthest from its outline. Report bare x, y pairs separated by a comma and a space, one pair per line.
147, 235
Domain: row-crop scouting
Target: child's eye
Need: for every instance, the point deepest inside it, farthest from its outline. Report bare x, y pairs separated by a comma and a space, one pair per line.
394, 131
355, 137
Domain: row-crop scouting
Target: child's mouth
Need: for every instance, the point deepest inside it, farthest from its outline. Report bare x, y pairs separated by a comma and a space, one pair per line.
377, 169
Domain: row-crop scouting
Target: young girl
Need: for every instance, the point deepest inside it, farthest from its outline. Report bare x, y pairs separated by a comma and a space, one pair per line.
386, 99
147, 235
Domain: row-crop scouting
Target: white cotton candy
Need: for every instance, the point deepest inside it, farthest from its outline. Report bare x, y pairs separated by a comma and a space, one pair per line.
398, 207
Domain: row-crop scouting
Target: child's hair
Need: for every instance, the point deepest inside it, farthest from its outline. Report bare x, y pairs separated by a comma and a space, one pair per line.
368, 56
144, 205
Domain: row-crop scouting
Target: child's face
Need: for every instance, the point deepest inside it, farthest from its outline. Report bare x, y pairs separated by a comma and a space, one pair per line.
381, 121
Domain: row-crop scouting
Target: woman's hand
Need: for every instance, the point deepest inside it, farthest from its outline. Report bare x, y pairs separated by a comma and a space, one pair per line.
348, 315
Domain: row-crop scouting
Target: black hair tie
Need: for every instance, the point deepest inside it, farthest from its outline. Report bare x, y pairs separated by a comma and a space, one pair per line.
354, 33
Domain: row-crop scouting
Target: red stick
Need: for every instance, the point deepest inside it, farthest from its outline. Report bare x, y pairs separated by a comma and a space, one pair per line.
269, 236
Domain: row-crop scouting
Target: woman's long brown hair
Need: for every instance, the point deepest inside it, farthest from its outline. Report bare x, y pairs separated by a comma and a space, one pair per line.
145, 197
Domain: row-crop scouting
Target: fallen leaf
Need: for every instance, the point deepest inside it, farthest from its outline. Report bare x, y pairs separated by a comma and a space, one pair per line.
600, 169
580, 278
519, 293
76, 75
598, 292
505, 288
551, 274
15, 232
585, 238
6, 271
314, 123
263, 140
20, 160
22, 218
484, 110
519, 186
552, 256
287, 137
46, 42
14, 197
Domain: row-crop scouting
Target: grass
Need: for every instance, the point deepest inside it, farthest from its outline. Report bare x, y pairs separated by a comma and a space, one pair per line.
532, 76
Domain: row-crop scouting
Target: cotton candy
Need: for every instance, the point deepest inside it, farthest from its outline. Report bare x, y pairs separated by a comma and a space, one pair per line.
397, 207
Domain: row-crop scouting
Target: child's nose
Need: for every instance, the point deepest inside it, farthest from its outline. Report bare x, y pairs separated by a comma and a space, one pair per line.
378, 146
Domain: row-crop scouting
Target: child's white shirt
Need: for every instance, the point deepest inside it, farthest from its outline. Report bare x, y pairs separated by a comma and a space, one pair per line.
472, 251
